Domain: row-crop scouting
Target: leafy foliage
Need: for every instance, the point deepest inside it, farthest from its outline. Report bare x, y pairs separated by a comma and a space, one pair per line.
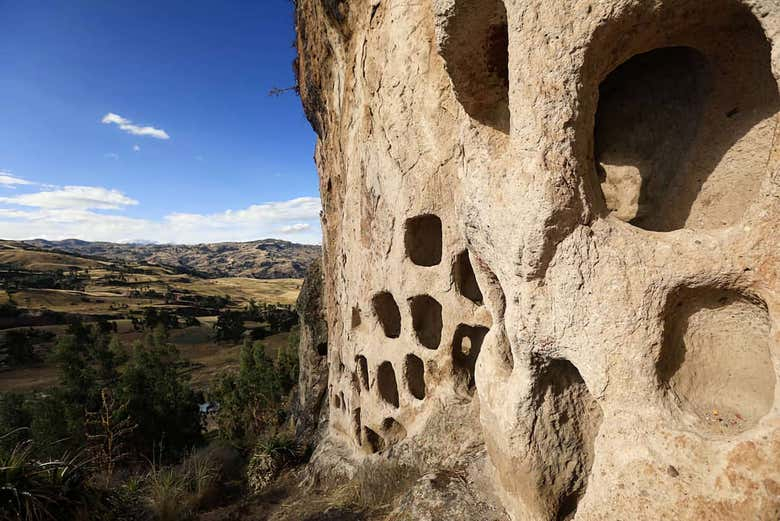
17, 348
229, 326
251, 400
159, 397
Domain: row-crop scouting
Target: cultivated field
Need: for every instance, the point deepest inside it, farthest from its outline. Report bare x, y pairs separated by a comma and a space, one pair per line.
47, 290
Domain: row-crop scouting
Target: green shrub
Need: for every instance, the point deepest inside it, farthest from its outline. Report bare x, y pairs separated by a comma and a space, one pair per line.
159, 398
251, 400
229, 325
17, 348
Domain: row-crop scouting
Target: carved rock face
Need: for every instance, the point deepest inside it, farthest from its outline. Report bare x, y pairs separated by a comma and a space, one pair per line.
558, 219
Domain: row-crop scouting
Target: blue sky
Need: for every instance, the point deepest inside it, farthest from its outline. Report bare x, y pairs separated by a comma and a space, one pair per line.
151, 120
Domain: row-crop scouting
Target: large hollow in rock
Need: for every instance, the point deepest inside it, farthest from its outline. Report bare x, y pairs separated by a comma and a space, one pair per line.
474, 44
567, 422
466, 345
464, 278
716, 358
683, 134
414, 373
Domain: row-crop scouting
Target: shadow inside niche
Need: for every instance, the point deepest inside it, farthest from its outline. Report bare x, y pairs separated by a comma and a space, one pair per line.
670, 118
387, 384
567, 421
388, 314
466, 346
476, 53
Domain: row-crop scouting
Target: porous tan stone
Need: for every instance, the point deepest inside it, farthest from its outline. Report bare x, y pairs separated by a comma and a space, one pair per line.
550, 247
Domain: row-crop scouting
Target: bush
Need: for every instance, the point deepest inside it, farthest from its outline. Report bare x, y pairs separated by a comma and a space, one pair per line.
18, 348
202, 474
251, 401
229, 326
160, 399
15, 418
269, 458
177, 493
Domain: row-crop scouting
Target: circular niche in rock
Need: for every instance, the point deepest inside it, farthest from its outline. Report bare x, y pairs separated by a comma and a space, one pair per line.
716, 360
684, 129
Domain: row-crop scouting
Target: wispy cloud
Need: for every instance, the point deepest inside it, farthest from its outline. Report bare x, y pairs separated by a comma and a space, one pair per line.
136, 130
136, 148
111, 155
73, 198
8, 180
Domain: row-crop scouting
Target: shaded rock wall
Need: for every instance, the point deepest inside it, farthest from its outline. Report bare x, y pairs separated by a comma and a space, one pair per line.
550, 247
311, 410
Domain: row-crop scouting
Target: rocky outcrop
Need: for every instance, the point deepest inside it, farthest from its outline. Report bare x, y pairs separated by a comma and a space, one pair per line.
310, 412
550, 254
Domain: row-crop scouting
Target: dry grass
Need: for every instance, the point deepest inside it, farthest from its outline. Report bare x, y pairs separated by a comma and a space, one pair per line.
375, 485
240, 289
29, 379
114, 300
68, 301
46, 261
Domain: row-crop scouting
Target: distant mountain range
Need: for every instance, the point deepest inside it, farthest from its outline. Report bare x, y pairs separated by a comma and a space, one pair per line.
263, 259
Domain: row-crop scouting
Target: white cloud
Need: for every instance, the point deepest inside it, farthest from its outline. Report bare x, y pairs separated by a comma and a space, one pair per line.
295, 228
8, 180
111, 155
128, 126
70, 212
136, 148
73, 198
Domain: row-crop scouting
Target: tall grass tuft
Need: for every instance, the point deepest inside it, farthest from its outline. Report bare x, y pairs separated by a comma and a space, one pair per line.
32, 490
167, 495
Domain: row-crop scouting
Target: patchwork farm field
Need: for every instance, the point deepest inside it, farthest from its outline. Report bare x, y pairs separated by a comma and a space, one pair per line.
43, 292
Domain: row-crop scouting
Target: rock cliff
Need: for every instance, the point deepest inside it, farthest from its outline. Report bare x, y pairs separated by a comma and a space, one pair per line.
311, 408
550, 254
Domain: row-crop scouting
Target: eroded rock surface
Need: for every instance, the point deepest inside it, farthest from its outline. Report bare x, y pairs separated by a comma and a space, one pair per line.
550, 243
